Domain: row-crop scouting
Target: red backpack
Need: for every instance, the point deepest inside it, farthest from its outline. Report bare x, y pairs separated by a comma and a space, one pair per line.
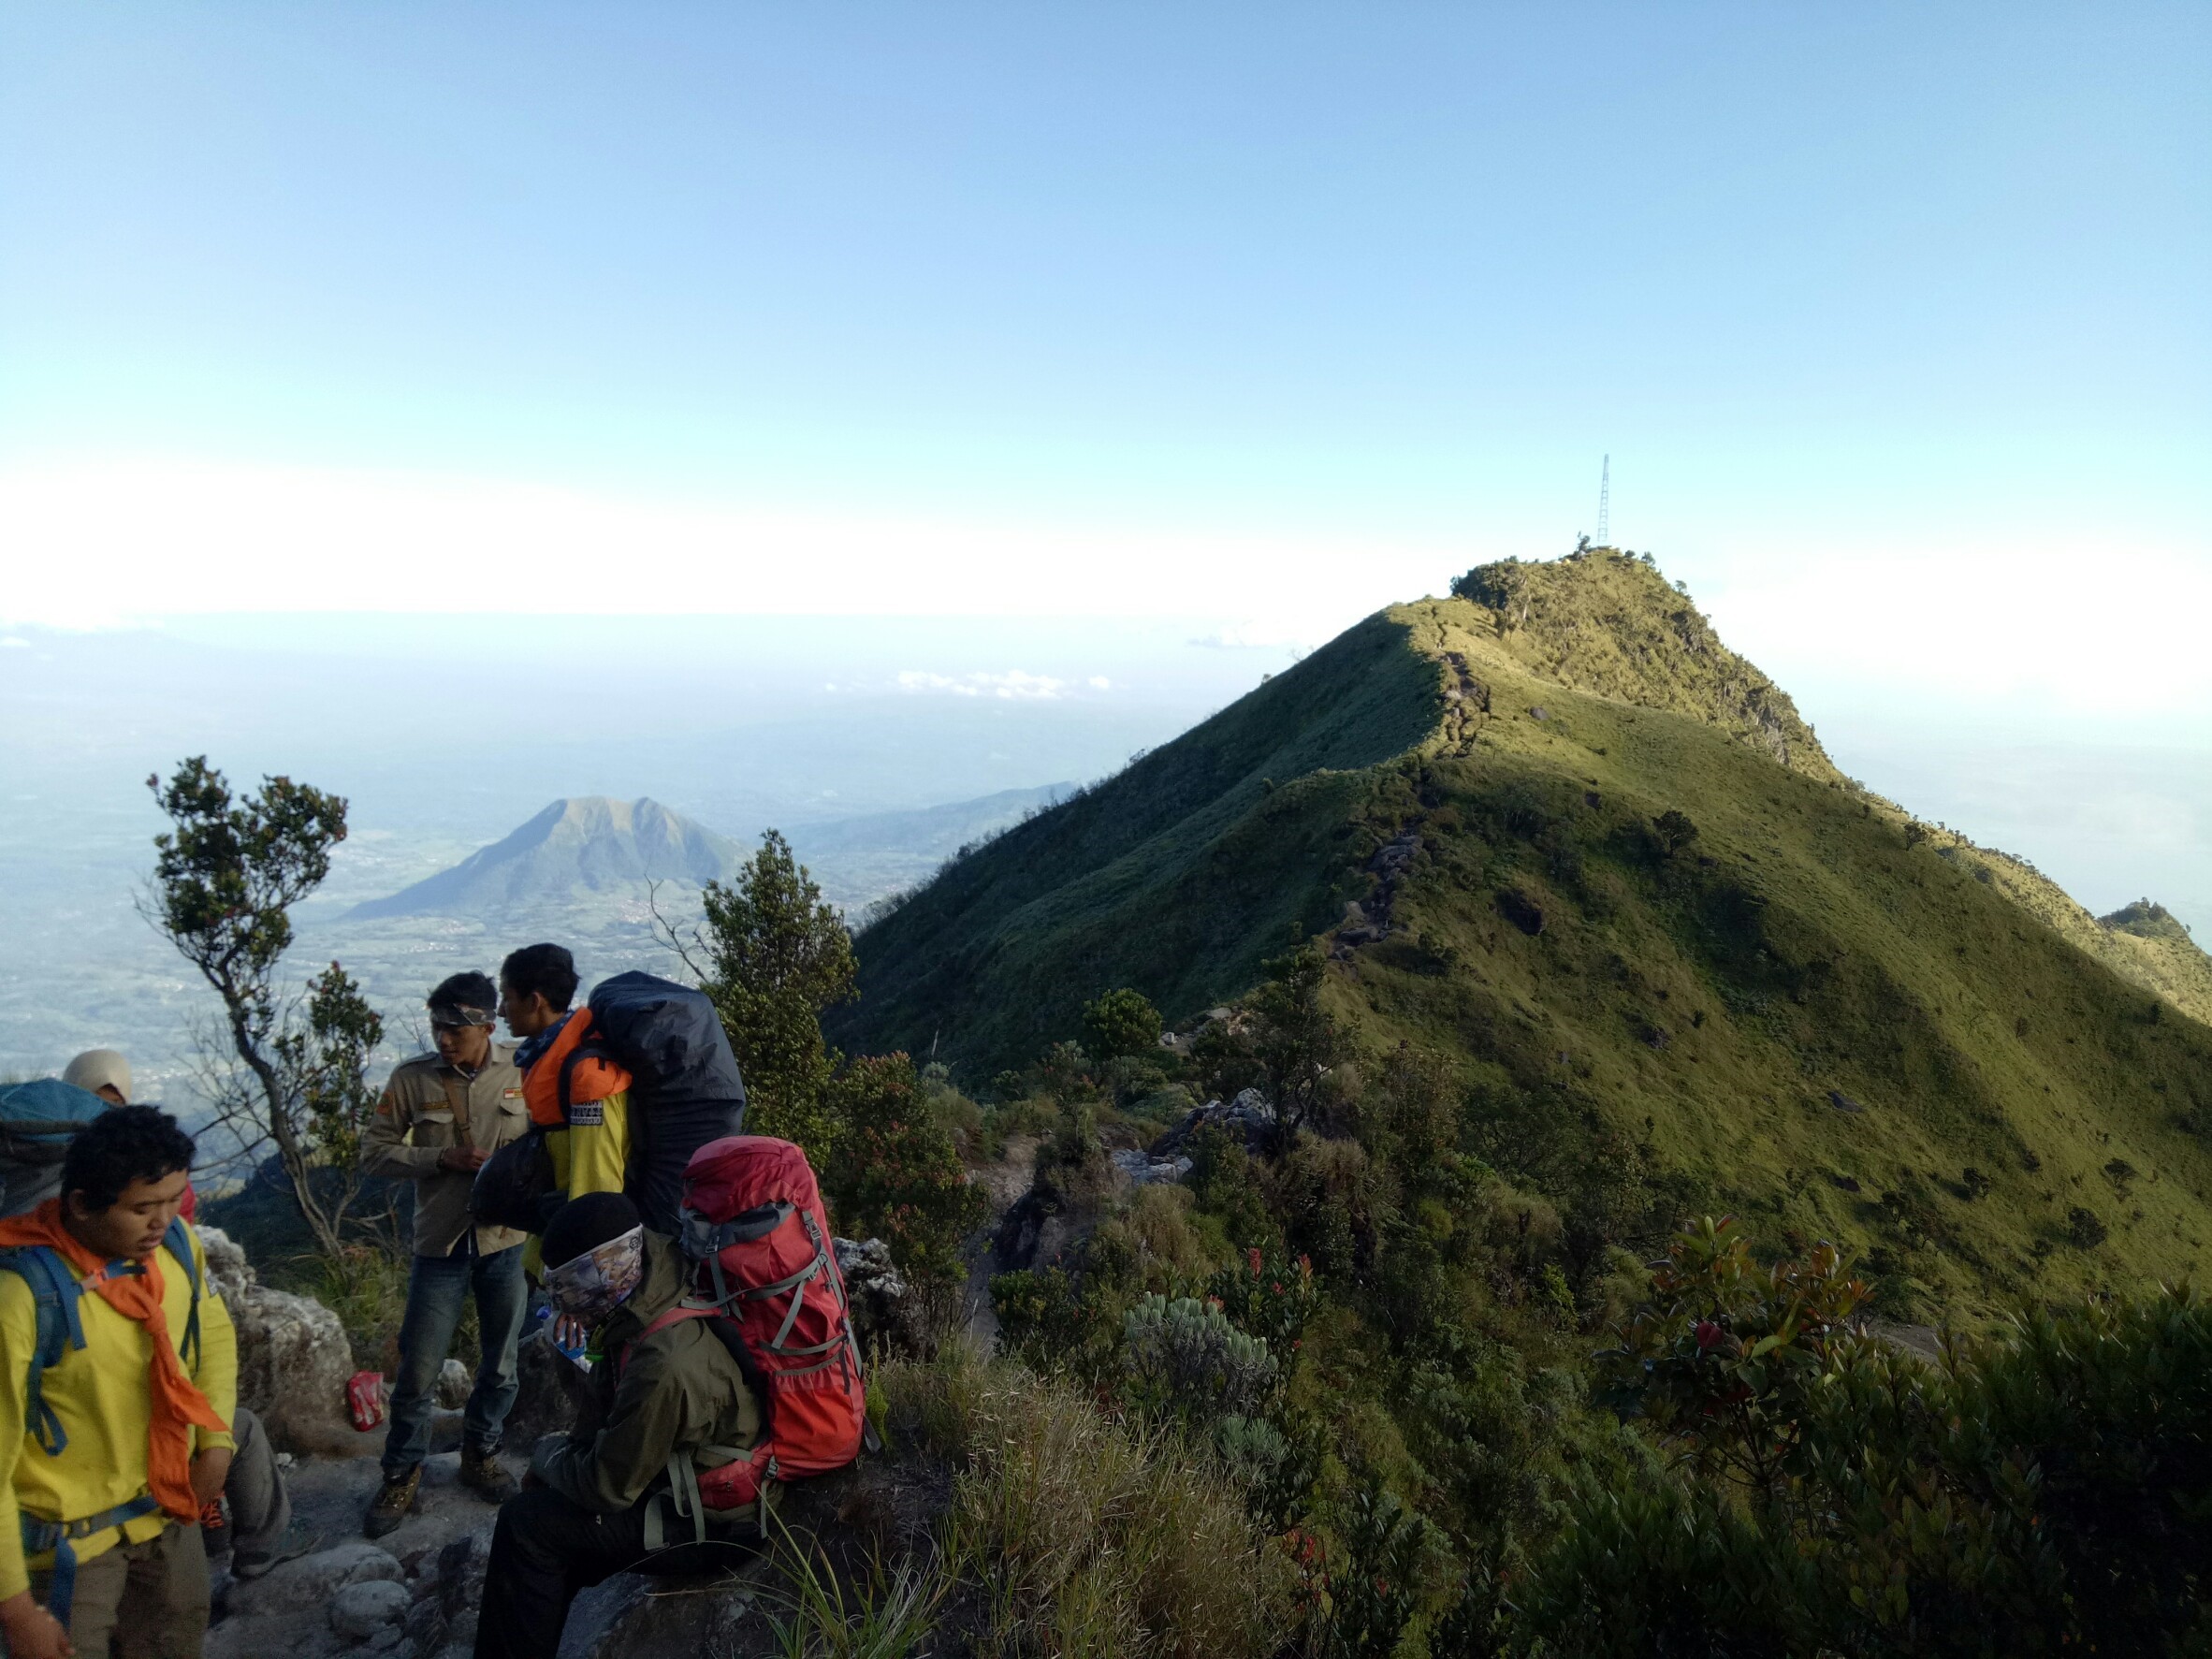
764, 1272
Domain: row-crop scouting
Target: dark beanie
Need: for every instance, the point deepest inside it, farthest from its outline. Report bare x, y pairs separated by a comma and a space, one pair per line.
585, 1224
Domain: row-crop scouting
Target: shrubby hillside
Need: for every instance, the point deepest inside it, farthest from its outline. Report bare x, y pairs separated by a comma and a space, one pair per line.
1552, 832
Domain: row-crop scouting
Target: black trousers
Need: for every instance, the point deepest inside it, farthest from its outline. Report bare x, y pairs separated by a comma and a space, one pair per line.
545, 1548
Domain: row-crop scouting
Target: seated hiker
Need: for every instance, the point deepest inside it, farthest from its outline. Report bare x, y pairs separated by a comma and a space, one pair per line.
667, 1398
587, 1135
117, 1380
258, 1534
441, 1115
104, 1073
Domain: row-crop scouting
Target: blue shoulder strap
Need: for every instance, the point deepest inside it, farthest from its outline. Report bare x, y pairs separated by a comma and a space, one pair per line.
54, 1292
179, 1239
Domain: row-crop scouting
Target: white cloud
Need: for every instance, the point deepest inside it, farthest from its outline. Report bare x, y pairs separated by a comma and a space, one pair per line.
1099, 682
1014, 685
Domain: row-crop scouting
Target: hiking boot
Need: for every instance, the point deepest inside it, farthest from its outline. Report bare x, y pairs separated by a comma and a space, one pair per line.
483, 1473
296, 1541
394, 1502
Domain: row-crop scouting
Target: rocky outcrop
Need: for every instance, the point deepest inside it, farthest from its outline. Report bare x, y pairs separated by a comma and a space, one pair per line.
293, 1354
885, 1316
1142, 1169
1250, 1118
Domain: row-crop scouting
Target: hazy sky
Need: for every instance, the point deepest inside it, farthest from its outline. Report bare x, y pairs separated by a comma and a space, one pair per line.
1893, 319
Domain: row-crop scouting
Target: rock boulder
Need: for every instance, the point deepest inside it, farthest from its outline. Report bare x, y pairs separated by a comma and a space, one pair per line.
315, 1581
293, 1354
361, 1610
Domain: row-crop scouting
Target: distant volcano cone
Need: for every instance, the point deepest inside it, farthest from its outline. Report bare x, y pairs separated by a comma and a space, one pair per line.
586, 843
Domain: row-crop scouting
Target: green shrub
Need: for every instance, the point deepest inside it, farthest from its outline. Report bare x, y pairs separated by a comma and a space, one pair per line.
1185, 1360
893, 1173
2085, 1229
2047, 1491
1270, 1296
1121, 1025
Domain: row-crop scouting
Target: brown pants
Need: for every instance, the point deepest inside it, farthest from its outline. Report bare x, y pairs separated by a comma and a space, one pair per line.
140, 1601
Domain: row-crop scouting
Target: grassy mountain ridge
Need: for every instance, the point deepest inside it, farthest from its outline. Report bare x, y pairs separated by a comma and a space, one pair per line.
1153, 873
1775, 1000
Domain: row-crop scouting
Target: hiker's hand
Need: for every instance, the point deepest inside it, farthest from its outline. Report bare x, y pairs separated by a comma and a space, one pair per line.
568, 1331
462, 1160
32, 1632
211, 1472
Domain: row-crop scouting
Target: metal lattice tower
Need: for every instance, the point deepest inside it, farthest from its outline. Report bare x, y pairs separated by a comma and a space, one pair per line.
1605, 502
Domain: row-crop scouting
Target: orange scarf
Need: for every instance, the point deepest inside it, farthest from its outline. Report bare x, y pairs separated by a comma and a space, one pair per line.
178, 1404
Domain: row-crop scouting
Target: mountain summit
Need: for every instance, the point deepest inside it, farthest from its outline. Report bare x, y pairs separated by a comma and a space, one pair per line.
586, 843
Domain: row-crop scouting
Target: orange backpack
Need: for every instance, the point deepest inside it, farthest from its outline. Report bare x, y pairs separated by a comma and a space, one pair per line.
763, 1272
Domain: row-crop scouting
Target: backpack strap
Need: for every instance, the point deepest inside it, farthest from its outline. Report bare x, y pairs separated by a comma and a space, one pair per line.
54, 1293
733, 1341
60, 1536
590, 1048
178, 1241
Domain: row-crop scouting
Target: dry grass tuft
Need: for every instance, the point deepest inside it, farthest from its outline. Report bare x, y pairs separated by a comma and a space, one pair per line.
1083, 1534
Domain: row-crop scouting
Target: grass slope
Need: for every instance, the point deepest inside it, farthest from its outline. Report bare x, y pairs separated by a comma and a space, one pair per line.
1181, 873
1803, 1013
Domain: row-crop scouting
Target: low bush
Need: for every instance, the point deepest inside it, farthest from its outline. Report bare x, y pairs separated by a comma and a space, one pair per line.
894, 1173
2045, 1490
1087, 1536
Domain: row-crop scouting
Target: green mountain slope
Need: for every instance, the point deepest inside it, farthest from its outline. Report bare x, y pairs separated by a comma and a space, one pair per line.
1801, 1009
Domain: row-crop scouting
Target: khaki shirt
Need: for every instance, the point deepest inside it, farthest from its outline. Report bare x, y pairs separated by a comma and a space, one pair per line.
429, 1106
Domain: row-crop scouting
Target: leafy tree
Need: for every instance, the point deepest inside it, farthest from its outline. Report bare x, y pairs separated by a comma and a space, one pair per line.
1121, 1023
1296, 1041
892, 1173
776, 956
226, 877
1672, 831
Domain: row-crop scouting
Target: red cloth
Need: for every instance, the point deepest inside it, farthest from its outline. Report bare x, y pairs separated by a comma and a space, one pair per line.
178, 1404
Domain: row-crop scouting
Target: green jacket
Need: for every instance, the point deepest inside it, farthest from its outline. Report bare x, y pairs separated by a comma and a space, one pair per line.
676, 1390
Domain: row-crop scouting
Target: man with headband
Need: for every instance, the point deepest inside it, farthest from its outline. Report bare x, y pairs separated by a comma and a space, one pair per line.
598, 1501
441, 1116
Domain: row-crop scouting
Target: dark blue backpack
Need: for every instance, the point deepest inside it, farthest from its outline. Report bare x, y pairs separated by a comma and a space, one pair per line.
36, 1121
56, 1292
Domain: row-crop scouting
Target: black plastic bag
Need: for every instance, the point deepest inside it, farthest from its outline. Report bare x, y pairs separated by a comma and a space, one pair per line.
515, 1187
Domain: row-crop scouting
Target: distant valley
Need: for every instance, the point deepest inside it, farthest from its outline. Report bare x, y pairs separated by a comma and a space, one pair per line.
588, 871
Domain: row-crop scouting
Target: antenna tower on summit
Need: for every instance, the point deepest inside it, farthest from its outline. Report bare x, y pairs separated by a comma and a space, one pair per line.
1605, 504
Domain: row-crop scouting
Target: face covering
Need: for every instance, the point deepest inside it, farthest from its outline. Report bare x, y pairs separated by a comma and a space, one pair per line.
590, 1287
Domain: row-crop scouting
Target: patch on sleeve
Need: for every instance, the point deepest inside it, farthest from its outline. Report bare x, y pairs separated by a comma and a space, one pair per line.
585, 1114
510, 1094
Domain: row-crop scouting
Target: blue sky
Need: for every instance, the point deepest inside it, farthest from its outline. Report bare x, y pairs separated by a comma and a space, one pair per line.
1892, 318
1405, 270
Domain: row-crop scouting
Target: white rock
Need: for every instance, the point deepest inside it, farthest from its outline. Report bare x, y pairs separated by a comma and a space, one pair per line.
293, 1355
361, 1611
455, 1381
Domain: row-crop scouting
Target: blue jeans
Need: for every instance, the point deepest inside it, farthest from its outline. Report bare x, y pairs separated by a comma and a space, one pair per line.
436, 1287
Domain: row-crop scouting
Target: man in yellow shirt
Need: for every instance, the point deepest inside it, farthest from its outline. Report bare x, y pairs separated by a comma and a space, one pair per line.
579, 1095
118, 1381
